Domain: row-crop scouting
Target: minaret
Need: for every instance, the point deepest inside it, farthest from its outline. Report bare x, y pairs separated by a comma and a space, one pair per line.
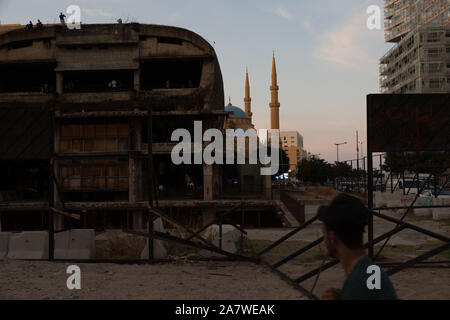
247, 99
274, 104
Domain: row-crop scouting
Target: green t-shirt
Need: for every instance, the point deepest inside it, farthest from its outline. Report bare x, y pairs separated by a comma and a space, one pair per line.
355, 286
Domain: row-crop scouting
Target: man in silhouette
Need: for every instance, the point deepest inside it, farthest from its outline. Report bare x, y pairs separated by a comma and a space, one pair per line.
343, 226
62, 17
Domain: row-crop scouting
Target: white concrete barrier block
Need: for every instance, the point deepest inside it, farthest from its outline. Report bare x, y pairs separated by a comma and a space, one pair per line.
75, 244
423, 212
441, 213
230, 237
28, 245
4, 244
159, 247
379, 199
424, 202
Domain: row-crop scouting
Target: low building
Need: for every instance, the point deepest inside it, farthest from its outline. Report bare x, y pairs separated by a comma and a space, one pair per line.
292, 144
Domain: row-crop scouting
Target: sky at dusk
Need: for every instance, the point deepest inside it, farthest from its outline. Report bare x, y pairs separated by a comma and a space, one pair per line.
327, 59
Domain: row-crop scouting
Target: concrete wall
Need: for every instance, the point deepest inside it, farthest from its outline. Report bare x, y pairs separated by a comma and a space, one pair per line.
33, 245
150, 47
397, 199
37, 51
110, 58
441, 213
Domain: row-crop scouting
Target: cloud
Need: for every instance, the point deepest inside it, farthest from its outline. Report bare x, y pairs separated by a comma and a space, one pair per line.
307, 26
96, 13
349, 45
283, 13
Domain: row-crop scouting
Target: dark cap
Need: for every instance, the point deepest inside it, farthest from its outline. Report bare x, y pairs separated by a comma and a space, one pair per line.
345, 213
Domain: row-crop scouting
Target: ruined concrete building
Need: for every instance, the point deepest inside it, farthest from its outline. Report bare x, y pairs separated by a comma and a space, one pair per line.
75, 128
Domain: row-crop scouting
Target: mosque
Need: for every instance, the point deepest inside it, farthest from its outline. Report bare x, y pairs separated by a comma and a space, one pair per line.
291, 141
240, 119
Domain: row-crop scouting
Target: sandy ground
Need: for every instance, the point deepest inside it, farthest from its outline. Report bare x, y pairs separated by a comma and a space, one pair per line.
186, 281
181, 281
227, 280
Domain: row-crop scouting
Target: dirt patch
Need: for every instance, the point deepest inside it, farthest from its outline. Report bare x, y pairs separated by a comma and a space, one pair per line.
177, 281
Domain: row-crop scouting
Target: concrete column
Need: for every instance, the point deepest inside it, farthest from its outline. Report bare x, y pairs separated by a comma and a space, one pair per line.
137, 79
138, 220
137, 134
268, 187
58, 220
131, 179
56, 139
59, 82
208, 182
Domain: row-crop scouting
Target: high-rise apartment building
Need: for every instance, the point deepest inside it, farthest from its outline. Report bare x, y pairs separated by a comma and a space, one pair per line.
420, 60
403, 16
419, 63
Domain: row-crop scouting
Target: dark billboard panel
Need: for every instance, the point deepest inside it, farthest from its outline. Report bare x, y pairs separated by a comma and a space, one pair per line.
408, 122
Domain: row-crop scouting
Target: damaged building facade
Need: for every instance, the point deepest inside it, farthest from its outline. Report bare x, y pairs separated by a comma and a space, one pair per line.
81, 112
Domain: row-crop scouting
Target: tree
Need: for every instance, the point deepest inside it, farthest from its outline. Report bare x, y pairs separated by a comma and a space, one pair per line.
341, 170
422, 162
314, 170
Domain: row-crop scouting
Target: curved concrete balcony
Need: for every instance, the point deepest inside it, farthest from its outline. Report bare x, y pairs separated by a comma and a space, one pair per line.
26, 97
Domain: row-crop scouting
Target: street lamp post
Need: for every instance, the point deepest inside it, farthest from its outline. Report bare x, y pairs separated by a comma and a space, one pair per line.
337, 147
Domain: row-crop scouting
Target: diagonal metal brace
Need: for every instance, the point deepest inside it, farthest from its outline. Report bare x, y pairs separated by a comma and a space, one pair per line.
289, 235
167, 237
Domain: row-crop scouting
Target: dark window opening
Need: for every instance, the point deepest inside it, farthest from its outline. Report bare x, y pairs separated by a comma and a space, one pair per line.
171, 74
20, 44
175, 181
47, 43
98, 81
24, 181
27, 78
24, 221
167, 40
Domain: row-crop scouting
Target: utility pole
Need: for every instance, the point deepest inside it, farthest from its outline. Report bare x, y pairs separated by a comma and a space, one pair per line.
357, 159
337, 147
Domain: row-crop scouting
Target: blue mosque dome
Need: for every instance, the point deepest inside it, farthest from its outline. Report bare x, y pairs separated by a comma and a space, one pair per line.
235, 111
